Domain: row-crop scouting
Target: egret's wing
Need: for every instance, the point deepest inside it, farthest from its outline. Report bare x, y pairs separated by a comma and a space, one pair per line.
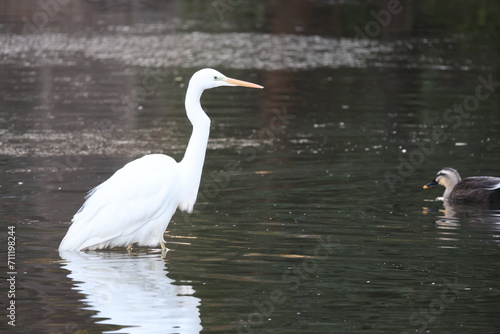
134, 195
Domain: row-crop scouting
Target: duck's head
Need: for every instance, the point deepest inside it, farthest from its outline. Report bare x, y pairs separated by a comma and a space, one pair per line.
446, 177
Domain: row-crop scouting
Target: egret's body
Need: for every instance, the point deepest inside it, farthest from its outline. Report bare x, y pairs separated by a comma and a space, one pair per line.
136, 203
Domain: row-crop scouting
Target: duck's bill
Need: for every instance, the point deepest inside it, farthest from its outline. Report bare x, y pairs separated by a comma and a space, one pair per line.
242, 83
430, 184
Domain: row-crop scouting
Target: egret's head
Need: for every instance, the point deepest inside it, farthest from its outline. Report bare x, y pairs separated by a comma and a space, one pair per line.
209, 78
446, 177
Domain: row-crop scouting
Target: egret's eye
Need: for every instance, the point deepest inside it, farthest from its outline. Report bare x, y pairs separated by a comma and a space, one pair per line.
216, 77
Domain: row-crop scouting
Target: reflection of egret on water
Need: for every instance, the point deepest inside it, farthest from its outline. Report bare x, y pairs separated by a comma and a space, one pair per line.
136, 203
133, 292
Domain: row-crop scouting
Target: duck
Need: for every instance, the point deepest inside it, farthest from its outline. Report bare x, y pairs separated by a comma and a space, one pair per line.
474, 190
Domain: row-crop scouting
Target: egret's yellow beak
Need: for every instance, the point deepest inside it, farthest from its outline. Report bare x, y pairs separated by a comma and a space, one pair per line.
242, 83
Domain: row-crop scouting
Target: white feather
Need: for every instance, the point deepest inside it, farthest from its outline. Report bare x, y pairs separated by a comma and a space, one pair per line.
138, 197
495, 187
136, 203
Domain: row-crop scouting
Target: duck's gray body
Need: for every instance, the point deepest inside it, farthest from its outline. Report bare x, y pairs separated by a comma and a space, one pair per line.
472, 190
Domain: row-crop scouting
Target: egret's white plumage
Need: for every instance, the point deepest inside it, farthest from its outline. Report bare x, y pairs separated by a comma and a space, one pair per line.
136, 203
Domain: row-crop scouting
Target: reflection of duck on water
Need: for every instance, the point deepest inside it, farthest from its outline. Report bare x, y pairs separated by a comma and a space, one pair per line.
475, 190
133, 292
475, 198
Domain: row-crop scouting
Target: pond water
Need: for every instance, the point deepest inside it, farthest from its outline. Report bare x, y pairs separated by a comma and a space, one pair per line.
311, 215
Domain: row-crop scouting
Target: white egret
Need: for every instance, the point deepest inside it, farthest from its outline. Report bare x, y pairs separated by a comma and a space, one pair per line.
135, 204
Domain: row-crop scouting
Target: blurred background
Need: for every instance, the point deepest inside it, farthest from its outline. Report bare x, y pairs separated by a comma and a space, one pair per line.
364, 102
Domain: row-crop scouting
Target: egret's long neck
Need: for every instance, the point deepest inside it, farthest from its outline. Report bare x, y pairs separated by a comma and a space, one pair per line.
195, 152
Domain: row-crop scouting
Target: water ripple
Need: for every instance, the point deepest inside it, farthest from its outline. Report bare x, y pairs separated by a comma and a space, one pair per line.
195, 49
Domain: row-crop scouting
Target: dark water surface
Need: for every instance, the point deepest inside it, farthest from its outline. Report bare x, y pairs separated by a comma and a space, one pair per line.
311, 215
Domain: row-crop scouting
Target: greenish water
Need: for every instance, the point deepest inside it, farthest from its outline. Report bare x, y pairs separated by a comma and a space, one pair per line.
311, 215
